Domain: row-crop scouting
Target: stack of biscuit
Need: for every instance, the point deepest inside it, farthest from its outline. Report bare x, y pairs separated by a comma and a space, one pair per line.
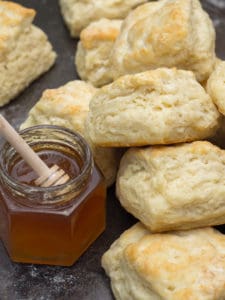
152, 83
171, 179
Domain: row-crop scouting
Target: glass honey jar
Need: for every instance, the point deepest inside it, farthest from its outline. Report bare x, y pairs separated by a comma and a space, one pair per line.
52, 225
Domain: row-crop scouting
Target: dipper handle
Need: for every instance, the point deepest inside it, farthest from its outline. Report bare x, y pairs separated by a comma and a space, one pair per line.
32, 159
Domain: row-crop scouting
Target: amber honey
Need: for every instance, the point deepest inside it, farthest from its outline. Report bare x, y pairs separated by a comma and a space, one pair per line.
23, 173
51, 225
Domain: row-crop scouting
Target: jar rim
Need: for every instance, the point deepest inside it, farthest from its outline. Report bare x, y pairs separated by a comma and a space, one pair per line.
87, 165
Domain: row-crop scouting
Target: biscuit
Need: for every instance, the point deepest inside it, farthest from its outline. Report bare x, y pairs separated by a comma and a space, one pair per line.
166, 34
68, 106
25, 52
160, 106
92, 56
174, 187
78, 14
216, 86
178, 265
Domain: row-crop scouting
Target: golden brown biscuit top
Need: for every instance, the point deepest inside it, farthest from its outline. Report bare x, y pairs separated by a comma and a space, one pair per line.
102, 30
181, 265
166, 33
163, 25
173, 27
67, 100
198, 148
175, 265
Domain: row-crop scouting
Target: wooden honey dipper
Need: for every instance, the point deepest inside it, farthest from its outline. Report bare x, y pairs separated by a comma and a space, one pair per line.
47, 176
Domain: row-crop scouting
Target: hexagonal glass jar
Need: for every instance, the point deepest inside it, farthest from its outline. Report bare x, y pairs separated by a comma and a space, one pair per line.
53, 225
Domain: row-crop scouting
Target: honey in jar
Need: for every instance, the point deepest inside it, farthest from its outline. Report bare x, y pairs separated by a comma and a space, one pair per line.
52, 225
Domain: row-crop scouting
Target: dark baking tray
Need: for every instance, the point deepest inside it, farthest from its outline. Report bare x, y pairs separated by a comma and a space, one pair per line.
85, 280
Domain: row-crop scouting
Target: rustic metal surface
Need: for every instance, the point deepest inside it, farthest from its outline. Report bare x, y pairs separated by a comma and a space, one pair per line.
85, 280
